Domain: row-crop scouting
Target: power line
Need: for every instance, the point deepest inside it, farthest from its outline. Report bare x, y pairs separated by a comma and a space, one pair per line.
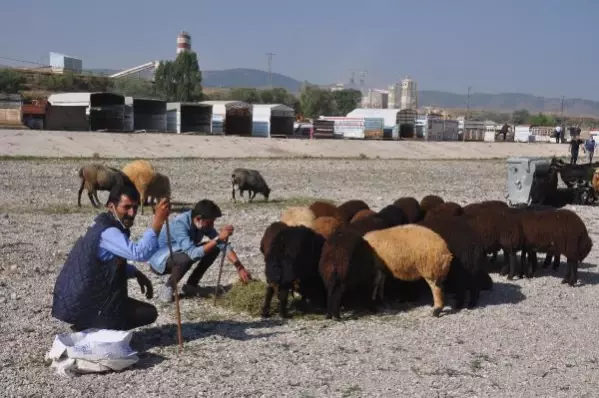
22, 61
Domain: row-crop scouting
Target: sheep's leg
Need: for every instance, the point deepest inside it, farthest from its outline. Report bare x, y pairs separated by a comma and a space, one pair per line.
142, 199
511, 258
474, 291
571, 273
556, 261
91, 198
283, 299
493, 257
547, 260
253, 195
96, 197
335, 296
437, 297
80, 192
233, 193
532, 262
270, 291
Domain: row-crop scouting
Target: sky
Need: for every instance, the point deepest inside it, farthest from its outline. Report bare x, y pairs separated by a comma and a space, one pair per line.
540, 47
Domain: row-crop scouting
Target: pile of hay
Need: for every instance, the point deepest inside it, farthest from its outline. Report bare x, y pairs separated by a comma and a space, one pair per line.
249, 299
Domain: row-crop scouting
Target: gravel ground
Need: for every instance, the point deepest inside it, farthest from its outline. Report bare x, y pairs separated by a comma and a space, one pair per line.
528, 338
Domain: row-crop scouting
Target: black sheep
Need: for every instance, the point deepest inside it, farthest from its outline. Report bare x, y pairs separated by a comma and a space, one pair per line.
560, 232
367, 224
292, 264
351, 207
251, 181
347, 264
411, 207
430, 202
393, 215
467, 272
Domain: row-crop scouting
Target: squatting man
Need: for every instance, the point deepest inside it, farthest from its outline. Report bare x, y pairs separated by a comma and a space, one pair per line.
194, 239
91, 288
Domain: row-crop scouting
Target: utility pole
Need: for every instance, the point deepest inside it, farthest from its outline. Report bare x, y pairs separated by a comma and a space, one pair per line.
467, 115
269, 55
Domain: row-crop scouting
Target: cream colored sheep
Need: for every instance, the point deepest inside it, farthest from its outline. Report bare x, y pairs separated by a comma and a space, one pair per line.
325, 225
297, 215
141, 173
411, 252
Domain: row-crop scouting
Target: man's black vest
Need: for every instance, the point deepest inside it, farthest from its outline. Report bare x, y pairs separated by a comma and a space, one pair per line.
89, 292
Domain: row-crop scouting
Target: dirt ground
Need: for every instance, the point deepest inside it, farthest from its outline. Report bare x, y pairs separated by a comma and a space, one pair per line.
532, 337
111, 145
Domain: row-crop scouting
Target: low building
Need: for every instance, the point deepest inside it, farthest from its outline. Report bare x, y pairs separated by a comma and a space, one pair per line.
10, 110
271, 120
143, 114
231, 117
188, 117
86, 112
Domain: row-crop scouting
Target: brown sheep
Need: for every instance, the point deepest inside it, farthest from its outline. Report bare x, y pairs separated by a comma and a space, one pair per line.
350, 208
97, 177
561, 232
472, 208
297, 215
269, 234
160, 187
411, 207
410, 252
325, 226
347, 269
361, 214
326, 209
429, 202
445, 209
141, 173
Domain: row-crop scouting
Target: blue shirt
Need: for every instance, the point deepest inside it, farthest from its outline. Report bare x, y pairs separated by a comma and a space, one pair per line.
114, 243
184, 238
590, 145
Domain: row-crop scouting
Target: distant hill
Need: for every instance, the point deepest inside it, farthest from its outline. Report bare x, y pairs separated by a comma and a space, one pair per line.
248, 78
507, 102
503, 102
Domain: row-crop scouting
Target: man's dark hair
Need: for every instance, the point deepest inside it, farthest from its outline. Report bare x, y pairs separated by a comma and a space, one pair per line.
122, 189
206, 208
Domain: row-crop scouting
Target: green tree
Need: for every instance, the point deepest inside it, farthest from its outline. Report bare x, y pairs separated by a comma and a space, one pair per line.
249, 95
346, 101
11, 82
315, 101
542, 119
521, 116
134, 87
181, 79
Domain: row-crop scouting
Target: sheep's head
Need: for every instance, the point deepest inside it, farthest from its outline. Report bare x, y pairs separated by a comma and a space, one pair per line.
266, 193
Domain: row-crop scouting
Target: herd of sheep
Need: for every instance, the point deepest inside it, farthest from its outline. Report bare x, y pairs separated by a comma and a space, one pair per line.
350, 255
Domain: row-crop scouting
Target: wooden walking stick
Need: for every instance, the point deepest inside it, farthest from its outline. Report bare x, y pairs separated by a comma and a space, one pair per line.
220, 270
174, 282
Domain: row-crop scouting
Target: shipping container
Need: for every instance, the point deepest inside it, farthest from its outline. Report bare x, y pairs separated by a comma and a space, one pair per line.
231, 117
188, 117
357, 127
278, 119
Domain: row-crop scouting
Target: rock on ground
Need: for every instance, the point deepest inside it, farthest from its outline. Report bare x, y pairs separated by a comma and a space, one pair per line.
529, 337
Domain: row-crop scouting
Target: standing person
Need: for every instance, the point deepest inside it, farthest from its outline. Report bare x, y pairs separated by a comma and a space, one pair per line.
188, 230
574, 147
589, 148
91, 288
558, 132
